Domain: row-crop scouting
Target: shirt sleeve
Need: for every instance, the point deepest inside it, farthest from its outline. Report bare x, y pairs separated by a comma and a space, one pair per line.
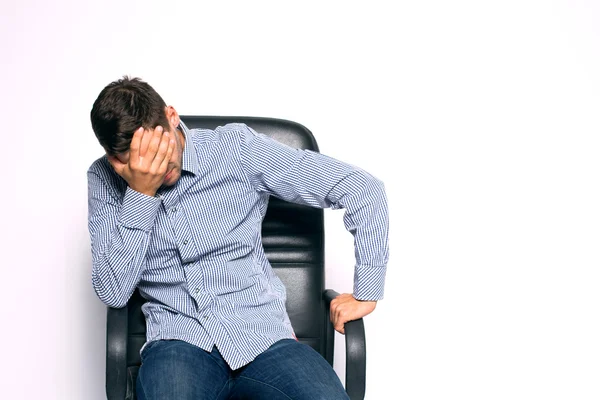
120, 231
314, 179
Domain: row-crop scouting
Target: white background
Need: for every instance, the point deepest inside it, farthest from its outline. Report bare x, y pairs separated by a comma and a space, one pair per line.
482, 118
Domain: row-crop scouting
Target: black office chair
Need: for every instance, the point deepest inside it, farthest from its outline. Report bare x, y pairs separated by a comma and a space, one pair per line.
293, 238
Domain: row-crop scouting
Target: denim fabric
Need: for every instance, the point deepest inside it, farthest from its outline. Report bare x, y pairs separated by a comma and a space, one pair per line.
176, 370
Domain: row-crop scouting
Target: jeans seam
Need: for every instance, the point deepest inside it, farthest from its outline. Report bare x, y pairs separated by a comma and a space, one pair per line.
139, 378
266, 384
226, 384
217, 364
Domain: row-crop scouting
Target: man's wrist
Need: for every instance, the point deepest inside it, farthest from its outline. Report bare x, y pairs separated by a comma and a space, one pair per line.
144, 191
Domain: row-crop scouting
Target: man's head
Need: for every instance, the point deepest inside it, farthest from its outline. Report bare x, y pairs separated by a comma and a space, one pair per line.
124, 106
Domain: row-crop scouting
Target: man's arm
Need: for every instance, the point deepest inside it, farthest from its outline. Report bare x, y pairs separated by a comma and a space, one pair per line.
120, 228
317, 180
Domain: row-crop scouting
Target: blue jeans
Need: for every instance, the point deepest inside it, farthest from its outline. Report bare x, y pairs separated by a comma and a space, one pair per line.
176, 370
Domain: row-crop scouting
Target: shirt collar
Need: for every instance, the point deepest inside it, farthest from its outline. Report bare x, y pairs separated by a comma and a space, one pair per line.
190, 157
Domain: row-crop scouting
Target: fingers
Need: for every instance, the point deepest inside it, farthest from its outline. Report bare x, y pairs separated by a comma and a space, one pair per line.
338, 325
345, 308
134, 147
163, 154
146, 147
147, 136
167, 158
154, 143
338, 314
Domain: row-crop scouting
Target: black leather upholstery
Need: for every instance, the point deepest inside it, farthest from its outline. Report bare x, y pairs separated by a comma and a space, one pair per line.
293, 238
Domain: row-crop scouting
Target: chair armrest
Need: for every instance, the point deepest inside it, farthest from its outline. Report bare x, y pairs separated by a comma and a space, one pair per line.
356, 352
116, 353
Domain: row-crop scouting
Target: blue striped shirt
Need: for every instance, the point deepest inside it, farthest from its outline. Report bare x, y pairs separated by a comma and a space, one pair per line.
195, 252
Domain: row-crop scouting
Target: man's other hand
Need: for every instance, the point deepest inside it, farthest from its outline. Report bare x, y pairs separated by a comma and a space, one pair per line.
145, 165
346, 308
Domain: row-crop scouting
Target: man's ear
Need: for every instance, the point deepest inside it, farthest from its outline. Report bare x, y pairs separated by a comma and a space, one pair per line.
172, 116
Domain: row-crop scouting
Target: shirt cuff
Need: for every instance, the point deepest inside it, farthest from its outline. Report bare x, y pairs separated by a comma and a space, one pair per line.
139, 210
369, 282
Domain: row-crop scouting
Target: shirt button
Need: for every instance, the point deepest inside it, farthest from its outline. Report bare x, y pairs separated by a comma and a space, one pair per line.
197, 290
205, 317
185, 242
174, 209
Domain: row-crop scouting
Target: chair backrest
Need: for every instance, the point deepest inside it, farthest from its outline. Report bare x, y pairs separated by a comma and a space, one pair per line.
293, 239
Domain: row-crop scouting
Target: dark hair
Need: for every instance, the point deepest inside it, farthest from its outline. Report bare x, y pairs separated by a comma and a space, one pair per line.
121, 108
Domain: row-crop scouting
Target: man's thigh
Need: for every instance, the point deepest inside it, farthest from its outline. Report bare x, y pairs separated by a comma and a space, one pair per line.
176, 370
288, 370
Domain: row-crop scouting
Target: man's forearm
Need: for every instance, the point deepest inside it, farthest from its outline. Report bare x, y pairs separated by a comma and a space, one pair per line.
367, 218
120, 237
117, 271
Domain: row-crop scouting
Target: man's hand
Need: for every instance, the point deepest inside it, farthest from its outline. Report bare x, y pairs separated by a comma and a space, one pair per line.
346, 308
149, 155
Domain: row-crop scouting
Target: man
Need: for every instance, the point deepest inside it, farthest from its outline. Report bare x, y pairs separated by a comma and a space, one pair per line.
177, 213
